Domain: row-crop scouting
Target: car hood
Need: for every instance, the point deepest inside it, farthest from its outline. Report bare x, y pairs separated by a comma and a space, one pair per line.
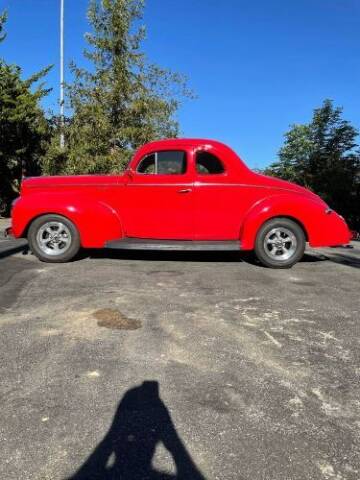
70, 181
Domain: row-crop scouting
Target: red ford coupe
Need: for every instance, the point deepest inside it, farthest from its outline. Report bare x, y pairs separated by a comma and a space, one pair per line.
181, 194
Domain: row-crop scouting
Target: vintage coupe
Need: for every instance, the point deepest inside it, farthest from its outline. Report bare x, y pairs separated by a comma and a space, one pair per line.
180, 194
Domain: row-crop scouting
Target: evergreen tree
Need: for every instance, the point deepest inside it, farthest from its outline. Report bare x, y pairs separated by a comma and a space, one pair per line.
122, 101
324, 156
23, 127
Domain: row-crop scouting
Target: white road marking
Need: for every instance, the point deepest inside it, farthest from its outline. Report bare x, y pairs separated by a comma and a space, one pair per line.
275, 342
93, 374
328, 336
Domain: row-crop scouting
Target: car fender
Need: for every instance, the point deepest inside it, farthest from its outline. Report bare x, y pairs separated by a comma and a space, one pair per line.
96, 221
308, 212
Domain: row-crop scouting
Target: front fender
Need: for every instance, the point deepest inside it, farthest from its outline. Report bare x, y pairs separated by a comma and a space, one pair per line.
96, 221
321, 226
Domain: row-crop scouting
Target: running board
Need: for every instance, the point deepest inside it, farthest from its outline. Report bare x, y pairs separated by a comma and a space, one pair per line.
178, 245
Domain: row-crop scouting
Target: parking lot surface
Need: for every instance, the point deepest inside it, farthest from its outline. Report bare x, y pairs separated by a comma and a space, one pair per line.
179, 366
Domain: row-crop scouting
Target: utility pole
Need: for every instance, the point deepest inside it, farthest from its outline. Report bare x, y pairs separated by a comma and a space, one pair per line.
62, 139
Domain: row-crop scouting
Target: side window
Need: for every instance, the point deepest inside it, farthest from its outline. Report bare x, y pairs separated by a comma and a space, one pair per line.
207, 164
147, 164
170, 162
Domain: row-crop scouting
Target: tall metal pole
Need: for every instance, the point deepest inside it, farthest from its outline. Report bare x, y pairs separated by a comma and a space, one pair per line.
62, 139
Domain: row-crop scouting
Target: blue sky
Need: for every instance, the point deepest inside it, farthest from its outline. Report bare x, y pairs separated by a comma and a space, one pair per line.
257, 66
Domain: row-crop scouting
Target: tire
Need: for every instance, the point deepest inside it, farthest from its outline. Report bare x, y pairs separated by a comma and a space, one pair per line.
280, 243
53, 238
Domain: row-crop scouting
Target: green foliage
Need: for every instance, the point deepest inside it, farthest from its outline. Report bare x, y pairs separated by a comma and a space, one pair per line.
3, 18
122, 101
23, 127
53, 162
323, 156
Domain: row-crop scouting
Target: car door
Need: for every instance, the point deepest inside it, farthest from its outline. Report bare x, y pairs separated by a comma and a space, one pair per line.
159, 200
218, 204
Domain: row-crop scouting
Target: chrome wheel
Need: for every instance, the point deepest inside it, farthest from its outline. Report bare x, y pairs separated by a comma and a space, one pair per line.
280, 244
53, 238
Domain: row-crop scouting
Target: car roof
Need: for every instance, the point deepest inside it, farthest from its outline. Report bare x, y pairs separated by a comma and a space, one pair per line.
184, 141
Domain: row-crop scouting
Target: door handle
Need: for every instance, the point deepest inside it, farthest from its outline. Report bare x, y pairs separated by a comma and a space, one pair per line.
185, 190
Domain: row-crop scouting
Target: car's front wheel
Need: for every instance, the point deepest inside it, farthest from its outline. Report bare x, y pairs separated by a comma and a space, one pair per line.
280, 243
53, 238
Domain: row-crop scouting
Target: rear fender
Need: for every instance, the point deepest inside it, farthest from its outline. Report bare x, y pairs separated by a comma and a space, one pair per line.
96, 221
308, 213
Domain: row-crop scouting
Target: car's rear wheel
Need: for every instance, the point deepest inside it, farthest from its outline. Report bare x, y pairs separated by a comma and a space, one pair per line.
53, 238
280, 243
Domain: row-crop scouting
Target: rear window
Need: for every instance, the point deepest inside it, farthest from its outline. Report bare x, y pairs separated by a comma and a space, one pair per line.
208, 164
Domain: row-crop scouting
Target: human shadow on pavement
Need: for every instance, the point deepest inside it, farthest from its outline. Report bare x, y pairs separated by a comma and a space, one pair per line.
140, 423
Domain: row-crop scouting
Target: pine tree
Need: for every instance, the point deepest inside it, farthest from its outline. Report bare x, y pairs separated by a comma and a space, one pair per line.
324, 156
122, 101
23, 127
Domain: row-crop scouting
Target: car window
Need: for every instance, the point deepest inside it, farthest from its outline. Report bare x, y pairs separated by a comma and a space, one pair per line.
147, 164
170, 162
207, 164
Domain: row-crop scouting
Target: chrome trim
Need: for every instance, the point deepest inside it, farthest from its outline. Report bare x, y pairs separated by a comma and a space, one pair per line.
280, 244
185, 190
53, 238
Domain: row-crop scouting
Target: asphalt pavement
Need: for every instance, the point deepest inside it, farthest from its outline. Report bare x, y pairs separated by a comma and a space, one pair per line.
179, 366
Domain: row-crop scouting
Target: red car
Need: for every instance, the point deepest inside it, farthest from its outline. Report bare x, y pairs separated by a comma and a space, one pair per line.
181, 194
